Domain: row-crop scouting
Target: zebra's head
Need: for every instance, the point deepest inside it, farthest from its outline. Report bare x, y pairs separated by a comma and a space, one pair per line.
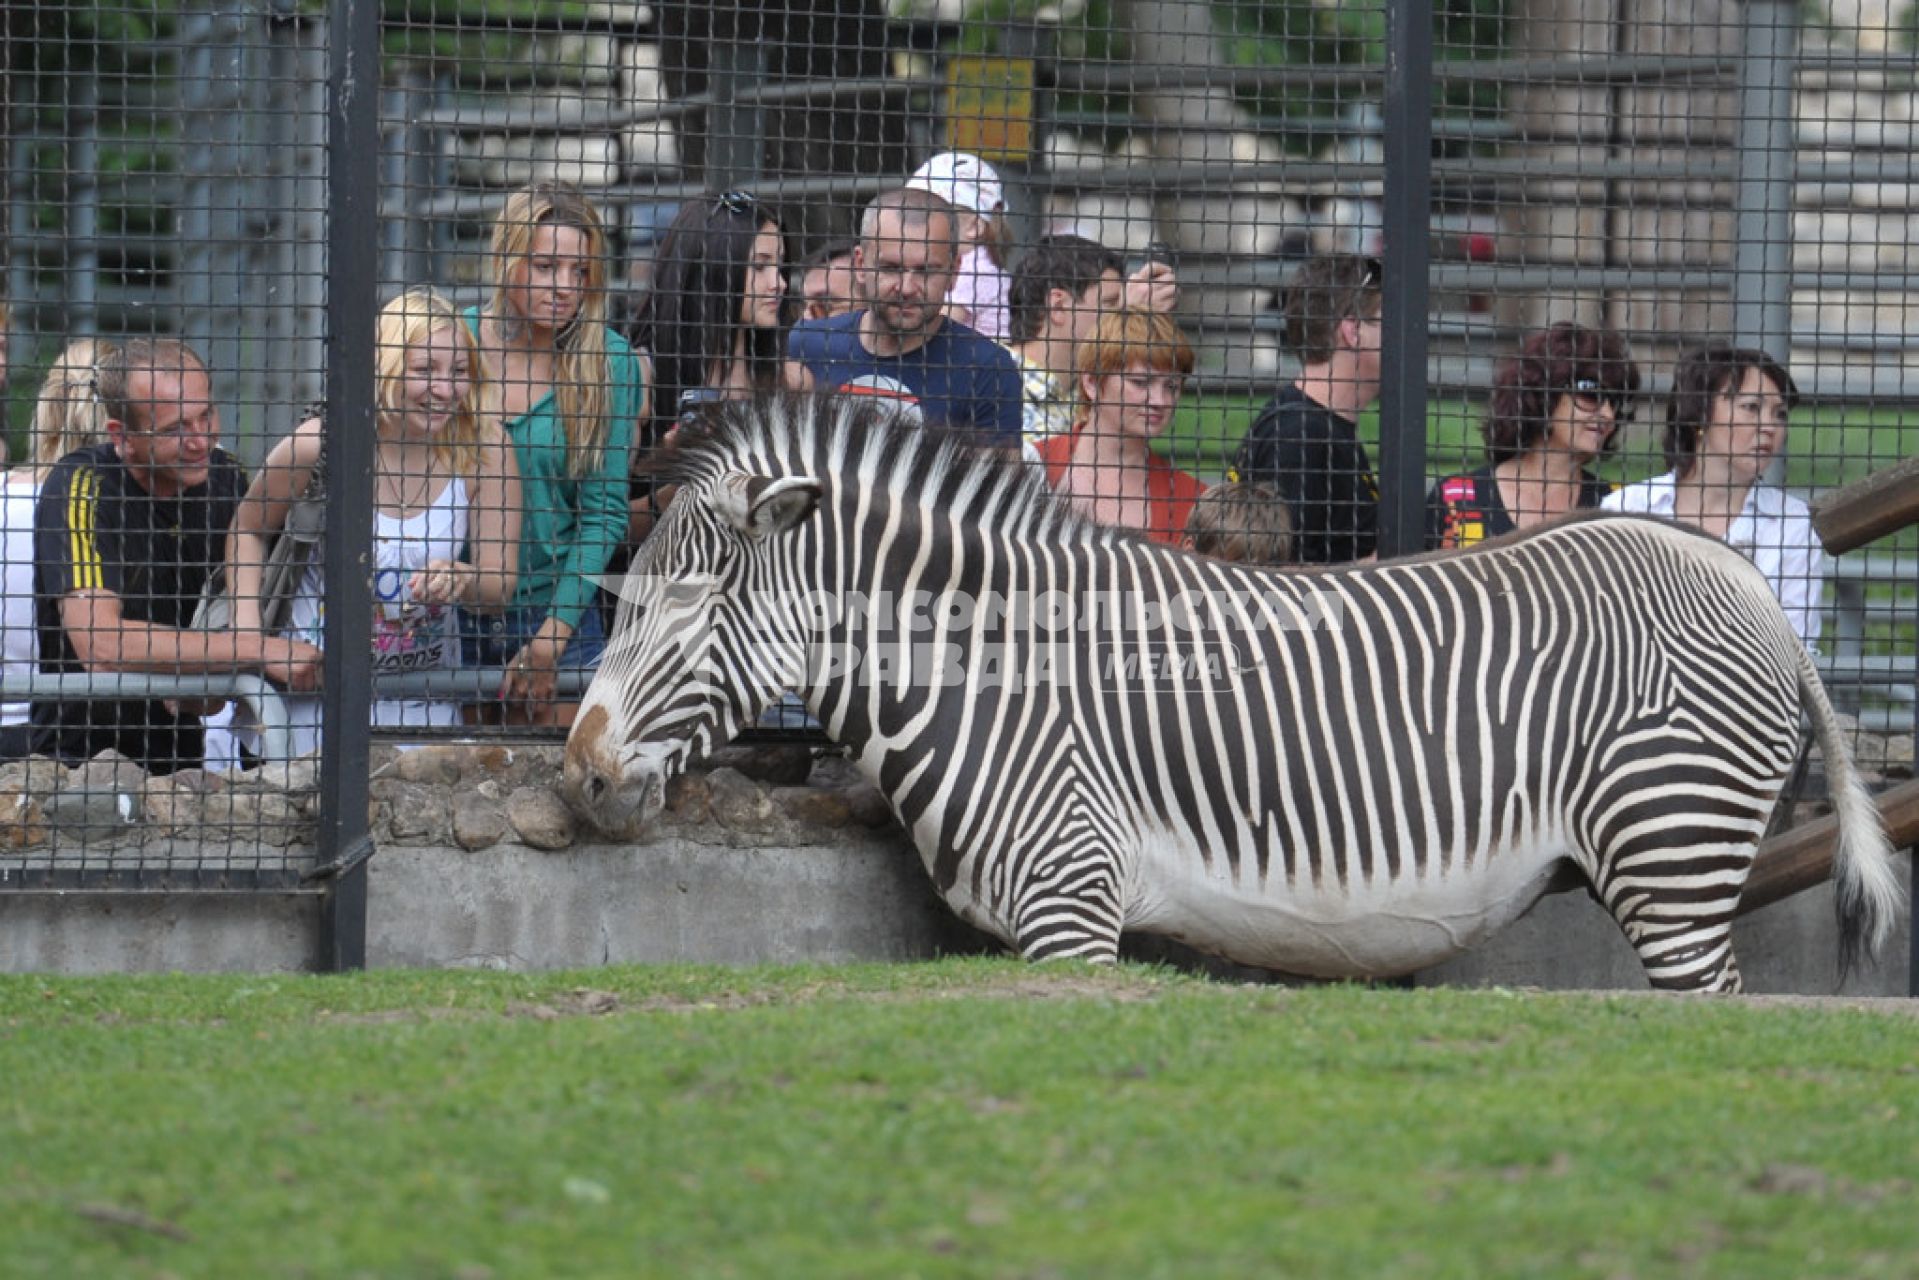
698, 648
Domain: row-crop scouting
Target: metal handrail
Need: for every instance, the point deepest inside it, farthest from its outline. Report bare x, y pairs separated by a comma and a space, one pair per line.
261, 698
466, 683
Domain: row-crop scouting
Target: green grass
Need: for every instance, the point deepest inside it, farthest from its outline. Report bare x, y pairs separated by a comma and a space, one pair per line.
967, 1118
1831, 444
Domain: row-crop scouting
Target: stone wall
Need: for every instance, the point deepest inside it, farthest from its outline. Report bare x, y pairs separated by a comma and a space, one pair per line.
465, 797
774, 855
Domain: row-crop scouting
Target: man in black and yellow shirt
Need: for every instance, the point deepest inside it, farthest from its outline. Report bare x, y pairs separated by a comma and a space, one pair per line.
125, 536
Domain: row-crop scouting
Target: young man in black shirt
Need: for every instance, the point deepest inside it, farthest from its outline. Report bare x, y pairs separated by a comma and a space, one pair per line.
125, 535
1305, 443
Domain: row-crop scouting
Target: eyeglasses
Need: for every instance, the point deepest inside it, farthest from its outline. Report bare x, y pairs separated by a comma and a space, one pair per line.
1589, 395
739, 203
1369, 282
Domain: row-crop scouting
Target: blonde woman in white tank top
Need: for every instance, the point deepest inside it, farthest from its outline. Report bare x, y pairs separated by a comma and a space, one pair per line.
67, 416
446, 511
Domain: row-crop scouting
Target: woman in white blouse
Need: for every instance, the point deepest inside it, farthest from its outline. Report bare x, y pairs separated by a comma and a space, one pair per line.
1725, 422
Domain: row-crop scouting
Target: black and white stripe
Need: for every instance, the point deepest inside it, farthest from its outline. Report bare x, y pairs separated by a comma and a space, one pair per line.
1366, 798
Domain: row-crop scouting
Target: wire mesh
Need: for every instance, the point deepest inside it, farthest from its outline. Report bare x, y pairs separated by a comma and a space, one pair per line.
1137, 242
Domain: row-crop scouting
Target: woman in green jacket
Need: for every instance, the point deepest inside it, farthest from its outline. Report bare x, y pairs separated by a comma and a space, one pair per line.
568, 391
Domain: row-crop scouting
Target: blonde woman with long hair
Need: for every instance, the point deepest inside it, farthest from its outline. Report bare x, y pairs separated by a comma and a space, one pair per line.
446, 511
69, 415
568, 391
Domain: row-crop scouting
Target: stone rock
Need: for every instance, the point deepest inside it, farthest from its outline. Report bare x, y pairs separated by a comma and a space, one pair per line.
427, 765
521, 767
109, 771
254, 818
198, 781
832, 769
740, 803
23, 824
777, 766
813, 806
489, 759
540, 817
868, 806
94, 812
290, 777
172, 804
34, 776
689, 797
476, 823
414, 814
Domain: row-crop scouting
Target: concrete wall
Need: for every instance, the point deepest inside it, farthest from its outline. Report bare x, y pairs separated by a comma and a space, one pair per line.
864, 897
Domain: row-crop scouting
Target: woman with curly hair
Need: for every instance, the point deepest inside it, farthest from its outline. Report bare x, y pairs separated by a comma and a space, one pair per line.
568, 391
1557, 405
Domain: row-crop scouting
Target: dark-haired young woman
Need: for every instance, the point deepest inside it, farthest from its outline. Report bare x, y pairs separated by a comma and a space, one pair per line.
1725, 423
713, 320
1557, 404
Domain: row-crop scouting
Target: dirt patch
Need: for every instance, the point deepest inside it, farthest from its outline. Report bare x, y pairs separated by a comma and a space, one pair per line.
581, 1002
1884, 1006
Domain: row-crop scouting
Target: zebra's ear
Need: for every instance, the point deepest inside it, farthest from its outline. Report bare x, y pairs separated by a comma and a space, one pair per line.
760, 507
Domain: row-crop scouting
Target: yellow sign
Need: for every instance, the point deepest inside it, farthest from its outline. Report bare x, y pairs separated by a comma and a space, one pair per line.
989, 107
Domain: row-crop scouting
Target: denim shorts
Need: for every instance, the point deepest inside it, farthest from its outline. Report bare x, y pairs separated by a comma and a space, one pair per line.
492, 639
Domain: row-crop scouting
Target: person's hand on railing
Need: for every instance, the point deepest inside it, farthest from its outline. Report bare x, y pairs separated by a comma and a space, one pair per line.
294, 665
531, 675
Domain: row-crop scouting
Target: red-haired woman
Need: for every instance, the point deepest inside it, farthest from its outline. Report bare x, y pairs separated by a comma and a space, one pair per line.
1130, 373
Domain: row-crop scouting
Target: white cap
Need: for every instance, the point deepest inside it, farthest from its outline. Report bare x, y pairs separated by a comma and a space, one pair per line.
963, 180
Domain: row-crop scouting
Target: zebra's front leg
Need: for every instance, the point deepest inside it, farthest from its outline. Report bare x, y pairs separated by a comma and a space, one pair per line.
1070, 910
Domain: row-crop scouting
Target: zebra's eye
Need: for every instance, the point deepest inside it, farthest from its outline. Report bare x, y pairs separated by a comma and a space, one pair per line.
684, 595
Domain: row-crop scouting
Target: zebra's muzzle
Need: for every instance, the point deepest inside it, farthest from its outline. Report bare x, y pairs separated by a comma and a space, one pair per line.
619, 790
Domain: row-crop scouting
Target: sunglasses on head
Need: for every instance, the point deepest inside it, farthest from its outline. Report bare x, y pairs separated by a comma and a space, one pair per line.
735, 202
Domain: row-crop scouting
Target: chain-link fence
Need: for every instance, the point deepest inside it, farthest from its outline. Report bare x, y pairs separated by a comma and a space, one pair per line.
1402, 276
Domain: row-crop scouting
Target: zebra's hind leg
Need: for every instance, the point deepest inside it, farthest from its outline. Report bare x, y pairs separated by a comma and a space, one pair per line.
1071, 912
1680, 927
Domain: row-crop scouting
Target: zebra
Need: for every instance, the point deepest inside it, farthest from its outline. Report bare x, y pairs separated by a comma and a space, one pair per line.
1395, 762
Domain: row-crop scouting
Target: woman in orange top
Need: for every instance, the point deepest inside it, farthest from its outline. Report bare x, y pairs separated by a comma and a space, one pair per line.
1129, 372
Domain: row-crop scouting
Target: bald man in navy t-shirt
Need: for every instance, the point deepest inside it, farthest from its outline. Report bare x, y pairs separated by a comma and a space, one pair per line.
902, 269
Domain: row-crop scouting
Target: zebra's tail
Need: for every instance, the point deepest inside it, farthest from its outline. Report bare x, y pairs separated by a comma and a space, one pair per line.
1866, 891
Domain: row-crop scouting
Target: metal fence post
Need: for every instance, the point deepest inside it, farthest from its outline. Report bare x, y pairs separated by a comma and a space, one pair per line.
1762, 251
352, 264
23, 124
1407, 215
737, 121
83, 188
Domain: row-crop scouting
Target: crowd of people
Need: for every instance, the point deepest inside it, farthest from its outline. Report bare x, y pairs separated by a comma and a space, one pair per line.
519, 446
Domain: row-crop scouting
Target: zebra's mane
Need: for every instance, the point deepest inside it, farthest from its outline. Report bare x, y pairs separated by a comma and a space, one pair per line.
843, 439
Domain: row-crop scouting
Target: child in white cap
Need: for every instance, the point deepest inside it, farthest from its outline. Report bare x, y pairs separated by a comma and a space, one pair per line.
978, 296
